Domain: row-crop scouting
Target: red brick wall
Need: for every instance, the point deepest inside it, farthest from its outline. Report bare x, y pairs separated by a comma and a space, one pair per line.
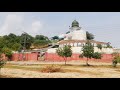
55, 57
28, 56
4, 57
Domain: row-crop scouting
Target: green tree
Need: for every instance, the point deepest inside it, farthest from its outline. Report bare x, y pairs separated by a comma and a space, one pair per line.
2, 42
55, 38
40, 43
67, 32
7, 52
116, 59
41, 37
97, 55
88, 52
61, 39
41, 40
9, 40
90, 36
26, 40
2, 63
64, 52
108, 45
99, 46
16, 46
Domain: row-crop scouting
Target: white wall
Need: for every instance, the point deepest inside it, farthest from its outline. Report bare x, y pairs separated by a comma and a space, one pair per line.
79, 35
78, 50
52, 50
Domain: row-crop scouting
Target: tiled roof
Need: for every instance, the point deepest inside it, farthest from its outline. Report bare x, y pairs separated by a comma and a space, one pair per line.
80, 41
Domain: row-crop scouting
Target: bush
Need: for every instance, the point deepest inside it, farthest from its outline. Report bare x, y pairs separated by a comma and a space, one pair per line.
50, 69
114, 62
7, 52
2, 63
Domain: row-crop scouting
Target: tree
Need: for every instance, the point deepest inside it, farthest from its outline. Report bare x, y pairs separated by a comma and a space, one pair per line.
64, 52
108, 45
41, 40
88, 52
9, 40
90, 36
116, 59
55, 37
41, 37
67, 32
26, 40
38, 43
97, 55
2, 63
16, 46
7, 52
99, 46
1, 42
61, 39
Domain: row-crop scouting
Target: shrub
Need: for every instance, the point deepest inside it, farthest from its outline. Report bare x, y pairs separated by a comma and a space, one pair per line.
2, 63
51, 69
114, 62
99, 46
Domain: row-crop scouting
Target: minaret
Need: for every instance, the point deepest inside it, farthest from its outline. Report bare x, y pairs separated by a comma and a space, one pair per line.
75, 26
76, 33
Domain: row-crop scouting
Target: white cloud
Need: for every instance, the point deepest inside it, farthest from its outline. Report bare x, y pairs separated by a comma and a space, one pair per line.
36, 26
14, 23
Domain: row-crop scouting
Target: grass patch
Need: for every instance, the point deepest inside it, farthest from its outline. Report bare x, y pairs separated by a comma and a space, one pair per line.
22, 67
81, 72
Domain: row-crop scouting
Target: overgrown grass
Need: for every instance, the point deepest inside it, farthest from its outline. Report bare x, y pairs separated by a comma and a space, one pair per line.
51, 69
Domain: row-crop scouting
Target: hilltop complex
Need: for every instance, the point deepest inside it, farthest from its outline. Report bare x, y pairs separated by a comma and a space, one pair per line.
76, 38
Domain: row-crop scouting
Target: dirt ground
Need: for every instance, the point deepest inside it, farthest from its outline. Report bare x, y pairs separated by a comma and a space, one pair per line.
72, 70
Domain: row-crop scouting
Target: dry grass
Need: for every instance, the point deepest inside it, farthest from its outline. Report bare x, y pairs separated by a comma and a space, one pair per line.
6, 76
61, 71
51, 69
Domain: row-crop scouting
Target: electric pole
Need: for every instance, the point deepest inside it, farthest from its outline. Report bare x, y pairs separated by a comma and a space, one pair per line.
24, 46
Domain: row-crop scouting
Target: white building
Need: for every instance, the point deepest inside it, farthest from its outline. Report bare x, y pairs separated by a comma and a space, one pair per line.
77, 38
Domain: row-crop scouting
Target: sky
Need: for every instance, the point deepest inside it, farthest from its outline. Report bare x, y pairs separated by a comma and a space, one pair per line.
104, 25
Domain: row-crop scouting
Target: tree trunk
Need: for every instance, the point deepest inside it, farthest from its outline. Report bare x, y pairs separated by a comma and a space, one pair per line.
87, 62
65, 60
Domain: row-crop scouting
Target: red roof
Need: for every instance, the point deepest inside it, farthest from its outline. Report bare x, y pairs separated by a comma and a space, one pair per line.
80, 41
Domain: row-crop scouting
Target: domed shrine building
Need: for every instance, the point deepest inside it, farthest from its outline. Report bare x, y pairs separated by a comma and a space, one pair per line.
76, 38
